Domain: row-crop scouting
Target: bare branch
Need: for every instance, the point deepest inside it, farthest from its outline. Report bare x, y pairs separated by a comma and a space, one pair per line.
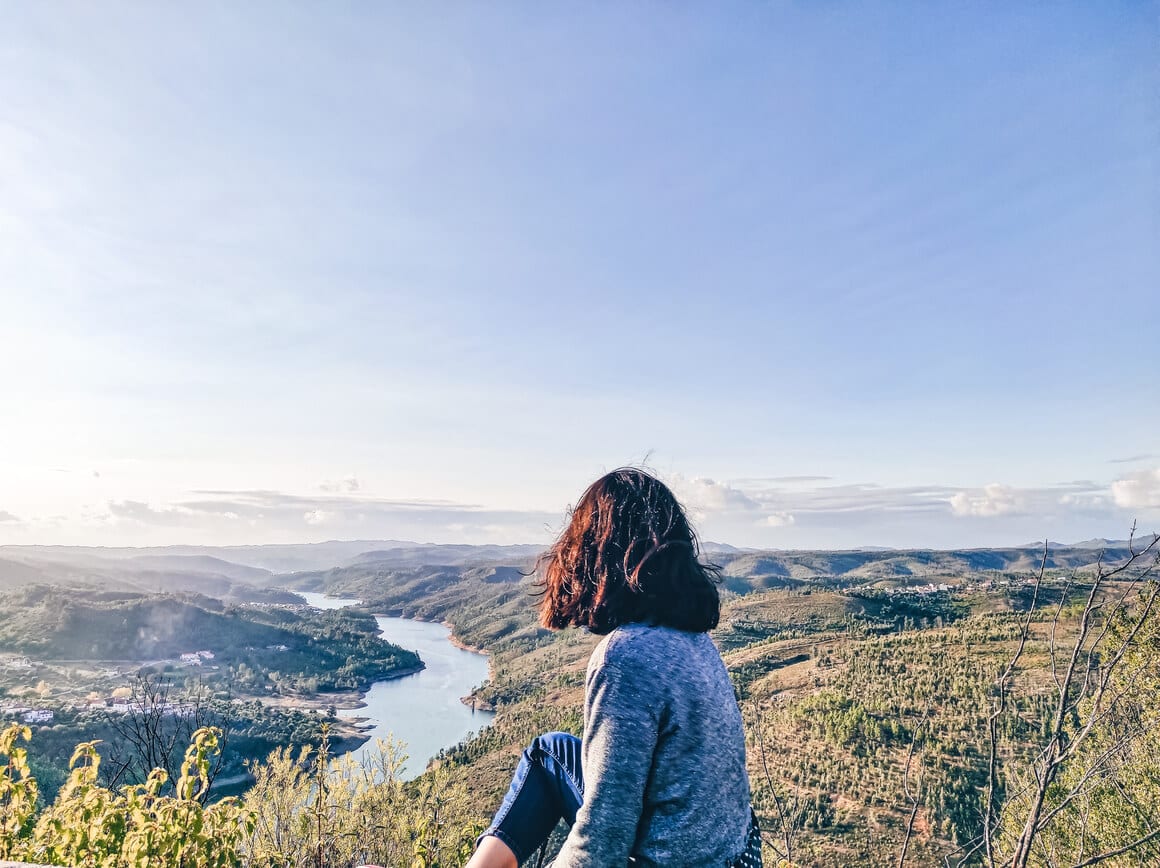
1119, 851
1086, 682
1000, 707
914, 798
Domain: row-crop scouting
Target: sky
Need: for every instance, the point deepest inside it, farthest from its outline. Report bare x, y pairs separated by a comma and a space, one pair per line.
842, 274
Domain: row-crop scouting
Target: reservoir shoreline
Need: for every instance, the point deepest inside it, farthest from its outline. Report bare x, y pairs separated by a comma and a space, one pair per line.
430, 708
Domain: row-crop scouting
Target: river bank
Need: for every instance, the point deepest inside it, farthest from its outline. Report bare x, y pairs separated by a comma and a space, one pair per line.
471, 700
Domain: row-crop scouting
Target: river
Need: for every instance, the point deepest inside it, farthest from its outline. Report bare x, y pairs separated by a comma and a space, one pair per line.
423, 710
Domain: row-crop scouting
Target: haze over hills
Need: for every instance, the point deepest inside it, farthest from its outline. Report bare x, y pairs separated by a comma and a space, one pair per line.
14, 574
448, 555
272, 557
134, 572
1094, 543
206, 564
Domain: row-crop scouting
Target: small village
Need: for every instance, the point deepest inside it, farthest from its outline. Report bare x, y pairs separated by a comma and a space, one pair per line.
117, 700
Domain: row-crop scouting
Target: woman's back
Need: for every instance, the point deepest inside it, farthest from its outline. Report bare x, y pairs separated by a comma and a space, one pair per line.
659, 777
664, 752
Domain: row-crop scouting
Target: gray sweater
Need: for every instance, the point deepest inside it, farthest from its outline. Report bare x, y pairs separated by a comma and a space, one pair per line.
663, 755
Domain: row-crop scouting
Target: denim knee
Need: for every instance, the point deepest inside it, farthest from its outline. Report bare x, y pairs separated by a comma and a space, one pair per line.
547, 786
556, 744
561, 750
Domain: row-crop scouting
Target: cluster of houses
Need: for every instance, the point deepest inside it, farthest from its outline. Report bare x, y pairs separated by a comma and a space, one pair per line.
29, 715
922, 589
26, 714
196, 658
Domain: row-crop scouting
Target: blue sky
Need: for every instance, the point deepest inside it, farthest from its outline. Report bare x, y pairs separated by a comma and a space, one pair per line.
844, 274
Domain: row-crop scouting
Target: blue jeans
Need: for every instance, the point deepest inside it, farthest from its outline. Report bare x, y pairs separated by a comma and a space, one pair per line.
548, 786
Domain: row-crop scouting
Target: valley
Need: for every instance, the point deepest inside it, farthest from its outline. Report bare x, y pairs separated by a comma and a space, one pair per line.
866, 679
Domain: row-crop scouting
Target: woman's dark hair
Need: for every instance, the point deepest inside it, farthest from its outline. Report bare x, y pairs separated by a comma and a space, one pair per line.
628, 554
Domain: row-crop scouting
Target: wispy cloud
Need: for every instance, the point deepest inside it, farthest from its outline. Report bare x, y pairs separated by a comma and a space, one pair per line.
266, 514
1132, 459
6, 516
142, 513
850, 498
261, 500
779, 480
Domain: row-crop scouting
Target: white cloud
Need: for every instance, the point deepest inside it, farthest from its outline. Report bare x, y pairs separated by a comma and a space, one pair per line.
346, 485
991, 500
1140, 490
778, 519
704, 496
319, 516
7, 516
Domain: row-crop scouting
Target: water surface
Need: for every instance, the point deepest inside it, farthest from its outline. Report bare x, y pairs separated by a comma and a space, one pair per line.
423, 709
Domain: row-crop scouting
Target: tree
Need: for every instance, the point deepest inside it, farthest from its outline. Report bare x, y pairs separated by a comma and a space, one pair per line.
155, 730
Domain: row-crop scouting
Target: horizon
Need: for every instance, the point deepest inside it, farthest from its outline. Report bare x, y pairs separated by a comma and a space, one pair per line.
870, 277
1141, 539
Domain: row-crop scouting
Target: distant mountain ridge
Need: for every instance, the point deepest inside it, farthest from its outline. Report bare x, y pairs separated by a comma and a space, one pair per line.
251, 572
1094, 543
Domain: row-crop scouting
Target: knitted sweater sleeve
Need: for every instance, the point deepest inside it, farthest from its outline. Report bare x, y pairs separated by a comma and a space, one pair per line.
622, 712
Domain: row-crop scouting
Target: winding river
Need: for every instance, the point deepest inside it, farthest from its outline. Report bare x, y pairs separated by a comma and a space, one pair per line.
424, 709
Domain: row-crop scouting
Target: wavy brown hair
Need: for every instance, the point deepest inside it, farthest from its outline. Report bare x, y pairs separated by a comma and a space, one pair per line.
627, 555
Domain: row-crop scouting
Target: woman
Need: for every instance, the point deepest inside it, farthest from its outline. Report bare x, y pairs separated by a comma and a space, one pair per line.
659, 778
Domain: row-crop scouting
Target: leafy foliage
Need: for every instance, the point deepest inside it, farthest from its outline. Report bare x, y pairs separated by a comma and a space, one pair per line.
310, 809
133, 827
304, 810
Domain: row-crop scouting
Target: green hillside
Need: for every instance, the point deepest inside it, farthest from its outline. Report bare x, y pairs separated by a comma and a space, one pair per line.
333, 650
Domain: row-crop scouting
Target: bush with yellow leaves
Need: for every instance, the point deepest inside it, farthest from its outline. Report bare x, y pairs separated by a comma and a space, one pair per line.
133, 827
305, 810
